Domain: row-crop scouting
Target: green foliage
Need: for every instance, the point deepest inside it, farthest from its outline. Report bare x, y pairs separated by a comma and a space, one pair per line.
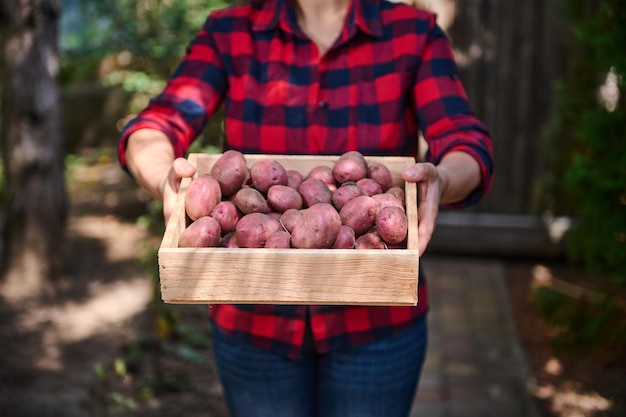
585, 144
582, 324
134, 45
585, 140
151, 34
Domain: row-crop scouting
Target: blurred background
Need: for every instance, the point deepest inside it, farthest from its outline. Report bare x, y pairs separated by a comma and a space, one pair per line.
79, 284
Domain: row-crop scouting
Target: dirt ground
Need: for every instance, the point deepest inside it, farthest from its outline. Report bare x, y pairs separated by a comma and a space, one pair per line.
104, 347
565, 383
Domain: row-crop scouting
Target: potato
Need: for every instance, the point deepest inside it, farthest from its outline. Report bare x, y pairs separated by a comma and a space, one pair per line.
370, 241
294, 179
231, 171
392, 225
274, 214
229, 241
359, 214
202, 233
381, 174
253, 230
324, 173
283, 197
346, 192
370, 186
227, 215
202, 195
397, 192
279, 240
317, 228
250, 200
267, 172
350, 166
386, 200
289, 219
314, 191
345, 239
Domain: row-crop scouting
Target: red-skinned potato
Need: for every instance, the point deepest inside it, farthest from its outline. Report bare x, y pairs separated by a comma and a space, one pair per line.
250, 200
370, 186
231, 171
392, 225
314, 191
386, 200
205, 232
229, 241
317, 228
254, 229
359, 214
279, 240
350, 166
289, 219
346, 192
283, 197
274, 215
227, 215
370, 241
266, 172
202, 195
397, 192
345, 239
294, 179
381, 174
324, 173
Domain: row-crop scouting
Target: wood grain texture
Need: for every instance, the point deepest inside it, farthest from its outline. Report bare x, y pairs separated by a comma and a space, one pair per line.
290, 276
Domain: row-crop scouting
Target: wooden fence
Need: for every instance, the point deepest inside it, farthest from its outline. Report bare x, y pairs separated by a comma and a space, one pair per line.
510, 55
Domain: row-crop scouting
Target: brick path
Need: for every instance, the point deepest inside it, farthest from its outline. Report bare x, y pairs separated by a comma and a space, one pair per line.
475, 366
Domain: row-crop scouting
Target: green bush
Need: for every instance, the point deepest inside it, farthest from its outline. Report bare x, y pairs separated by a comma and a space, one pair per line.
586, 138
134, 45
585, 144
153, 34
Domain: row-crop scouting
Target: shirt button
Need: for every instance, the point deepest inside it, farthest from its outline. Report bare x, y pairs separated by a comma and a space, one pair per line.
454, 75
323, 104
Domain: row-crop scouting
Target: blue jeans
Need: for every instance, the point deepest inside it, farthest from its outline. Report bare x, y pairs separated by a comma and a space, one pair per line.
374, 380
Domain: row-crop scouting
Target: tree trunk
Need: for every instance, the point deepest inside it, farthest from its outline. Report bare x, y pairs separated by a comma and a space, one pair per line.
35, 205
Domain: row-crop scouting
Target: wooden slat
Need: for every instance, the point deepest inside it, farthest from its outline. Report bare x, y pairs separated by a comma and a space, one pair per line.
288, 276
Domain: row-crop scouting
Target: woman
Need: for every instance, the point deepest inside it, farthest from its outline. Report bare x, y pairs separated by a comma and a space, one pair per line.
319, 77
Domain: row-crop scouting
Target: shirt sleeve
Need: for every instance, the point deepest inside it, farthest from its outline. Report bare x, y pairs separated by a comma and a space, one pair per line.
190, 97
445, 115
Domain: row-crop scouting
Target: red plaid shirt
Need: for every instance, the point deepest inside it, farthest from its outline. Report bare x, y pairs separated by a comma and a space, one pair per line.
390, 73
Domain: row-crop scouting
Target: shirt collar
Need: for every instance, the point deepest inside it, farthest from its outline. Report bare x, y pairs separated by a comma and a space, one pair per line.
364, 15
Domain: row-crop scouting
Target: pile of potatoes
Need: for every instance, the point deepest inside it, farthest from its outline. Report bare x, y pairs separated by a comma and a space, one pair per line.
353, 204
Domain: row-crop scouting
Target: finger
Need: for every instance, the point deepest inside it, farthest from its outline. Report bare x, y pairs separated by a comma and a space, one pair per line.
427, 216
426, 227
428, 208
169, 201
422, 171
181, 168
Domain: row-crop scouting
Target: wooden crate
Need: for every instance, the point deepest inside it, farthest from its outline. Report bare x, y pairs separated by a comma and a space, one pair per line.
289, 276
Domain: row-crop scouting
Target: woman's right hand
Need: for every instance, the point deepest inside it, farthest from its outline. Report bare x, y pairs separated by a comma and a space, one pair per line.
151, 161
181, 168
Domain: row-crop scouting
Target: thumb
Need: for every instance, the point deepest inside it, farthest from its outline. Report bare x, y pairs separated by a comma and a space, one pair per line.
181, 168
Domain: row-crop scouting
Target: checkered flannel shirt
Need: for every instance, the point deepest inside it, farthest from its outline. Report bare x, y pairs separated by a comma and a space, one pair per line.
390, 74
